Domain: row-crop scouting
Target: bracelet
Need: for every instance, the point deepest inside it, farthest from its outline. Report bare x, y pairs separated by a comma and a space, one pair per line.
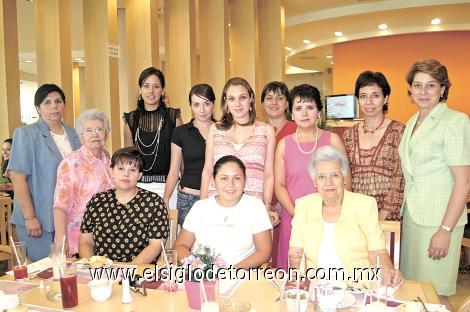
29, 218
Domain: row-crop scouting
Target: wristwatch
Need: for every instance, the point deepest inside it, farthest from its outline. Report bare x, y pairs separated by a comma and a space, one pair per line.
446, 228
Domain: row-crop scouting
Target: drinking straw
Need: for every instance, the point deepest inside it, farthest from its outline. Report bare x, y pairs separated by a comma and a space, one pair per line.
203, 290
297, 297
16, 252
63, 246
164, 255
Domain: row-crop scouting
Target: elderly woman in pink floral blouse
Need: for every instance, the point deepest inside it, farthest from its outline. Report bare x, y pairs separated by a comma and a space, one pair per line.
81, 175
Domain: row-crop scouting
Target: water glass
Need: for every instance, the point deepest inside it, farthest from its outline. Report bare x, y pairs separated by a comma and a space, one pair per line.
68, 285
58, 257
294, 299
170, 263
211, 291
20, 261
378, 289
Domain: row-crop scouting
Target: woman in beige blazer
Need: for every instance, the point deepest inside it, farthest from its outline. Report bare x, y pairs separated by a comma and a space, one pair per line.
435, 156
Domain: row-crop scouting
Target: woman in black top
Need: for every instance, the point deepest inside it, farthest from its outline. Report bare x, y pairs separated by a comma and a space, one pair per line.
149, 129
188, 145
5, 183
126, 224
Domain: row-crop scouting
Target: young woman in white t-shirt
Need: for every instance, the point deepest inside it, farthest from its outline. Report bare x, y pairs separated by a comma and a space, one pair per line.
234, 224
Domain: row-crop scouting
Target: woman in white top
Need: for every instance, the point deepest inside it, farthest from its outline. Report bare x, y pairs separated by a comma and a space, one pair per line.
235, 225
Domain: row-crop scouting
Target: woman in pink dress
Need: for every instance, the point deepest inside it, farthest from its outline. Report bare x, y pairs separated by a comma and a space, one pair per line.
238, 133
275, 101
293, 153
81, 174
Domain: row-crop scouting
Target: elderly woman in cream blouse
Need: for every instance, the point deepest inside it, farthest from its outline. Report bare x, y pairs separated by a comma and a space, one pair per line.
337, 228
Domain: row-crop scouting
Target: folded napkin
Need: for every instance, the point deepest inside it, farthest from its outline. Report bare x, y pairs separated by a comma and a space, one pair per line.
37, 266
8, 302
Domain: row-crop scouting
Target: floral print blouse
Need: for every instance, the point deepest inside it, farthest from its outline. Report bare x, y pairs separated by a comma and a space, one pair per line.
80, 176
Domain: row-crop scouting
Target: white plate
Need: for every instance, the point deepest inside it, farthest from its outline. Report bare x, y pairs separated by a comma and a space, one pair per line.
348, 301
86, 267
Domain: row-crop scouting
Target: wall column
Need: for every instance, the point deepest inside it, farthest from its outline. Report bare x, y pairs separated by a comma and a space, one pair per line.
101, 67
214, 49
53, 48
142, 43
180, 51
9, 70
271, 42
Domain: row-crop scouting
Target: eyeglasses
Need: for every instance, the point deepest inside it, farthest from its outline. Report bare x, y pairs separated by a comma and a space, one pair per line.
242, 99
97, 130
430, 86
334, 176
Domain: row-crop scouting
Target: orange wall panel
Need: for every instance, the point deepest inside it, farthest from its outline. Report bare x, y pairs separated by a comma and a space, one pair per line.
393, 56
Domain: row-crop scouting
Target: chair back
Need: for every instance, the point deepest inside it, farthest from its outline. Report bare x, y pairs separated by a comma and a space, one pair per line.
6, 228
173, 215
466, 236
392, 231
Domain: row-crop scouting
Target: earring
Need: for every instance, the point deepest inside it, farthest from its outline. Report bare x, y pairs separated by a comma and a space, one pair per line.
140, 97
163, 98
441, 98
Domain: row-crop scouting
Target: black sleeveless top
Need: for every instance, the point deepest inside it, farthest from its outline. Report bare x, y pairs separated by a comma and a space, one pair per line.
151, 134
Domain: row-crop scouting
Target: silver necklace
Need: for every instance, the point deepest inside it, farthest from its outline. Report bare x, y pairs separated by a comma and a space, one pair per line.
298, 145
156, 141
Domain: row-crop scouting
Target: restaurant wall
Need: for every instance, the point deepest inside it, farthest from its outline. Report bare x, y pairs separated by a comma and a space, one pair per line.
393, 55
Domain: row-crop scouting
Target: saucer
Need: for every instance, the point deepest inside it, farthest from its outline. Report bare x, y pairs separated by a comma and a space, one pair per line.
348, 301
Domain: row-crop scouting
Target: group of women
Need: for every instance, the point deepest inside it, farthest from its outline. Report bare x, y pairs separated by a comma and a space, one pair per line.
240, 177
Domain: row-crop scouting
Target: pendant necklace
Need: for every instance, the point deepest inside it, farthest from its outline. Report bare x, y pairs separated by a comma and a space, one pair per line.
372, 131
155, 143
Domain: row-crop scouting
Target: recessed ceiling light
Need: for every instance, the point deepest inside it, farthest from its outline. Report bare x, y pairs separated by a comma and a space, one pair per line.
383, 26
338, 34
436, 21
28, 61
306, 41
77, 59
329, 56
288, 48
331, 63
229, 25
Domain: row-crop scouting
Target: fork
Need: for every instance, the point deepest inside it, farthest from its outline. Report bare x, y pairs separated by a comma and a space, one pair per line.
422, 302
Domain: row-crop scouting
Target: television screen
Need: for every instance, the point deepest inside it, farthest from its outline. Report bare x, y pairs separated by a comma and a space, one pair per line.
341, 106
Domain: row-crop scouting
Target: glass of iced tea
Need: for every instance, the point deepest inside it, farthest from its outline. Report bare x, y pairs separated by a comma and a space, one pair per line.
20, 261
68, 285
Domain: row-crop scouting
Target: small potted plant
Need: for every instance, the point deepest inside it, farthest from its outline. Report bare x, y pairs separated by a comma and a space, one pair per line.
201, 265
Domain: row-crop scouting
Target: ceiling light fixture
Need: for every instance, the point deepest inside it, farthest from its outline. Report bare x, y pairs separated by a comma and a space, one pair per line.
28, 61
338, 34
383, 26
436, 21
288, 48
329, 56
306, 41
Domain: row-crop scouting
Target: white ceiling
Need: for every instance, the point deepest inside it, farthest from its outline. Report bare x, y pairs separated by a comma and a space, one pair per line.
315, 20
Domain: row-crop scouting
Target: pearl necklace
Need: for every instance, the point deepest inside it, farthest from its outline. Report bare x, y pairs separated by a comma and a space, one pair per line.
298, 145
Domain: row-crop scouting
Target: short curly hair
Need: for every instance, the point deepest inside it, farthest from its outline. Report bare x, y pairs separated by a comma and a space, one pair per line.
433, 68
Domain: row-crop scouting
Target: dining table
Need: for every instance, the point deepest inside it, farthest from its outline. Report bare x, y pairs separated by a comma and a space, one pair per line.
260, 293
